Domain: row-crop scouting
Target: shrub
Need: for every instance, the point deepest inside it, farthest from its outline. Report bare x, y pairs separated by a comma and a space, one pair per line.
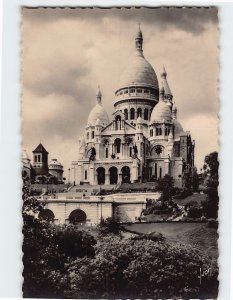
141, 268
109, 225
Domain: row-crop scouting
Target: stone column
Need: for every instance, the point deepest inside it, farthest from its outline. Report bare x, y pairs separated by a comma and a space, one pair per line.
107, 178
166, 166
119, 178
92, 177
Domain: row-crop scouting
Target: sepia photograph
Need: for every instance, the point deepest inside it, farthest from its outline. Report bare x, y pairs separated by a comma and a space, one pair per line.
120, 152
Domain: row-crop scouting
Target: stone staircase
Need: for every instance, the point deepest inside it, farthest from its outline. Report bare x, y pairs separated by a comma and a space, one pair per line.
89, 190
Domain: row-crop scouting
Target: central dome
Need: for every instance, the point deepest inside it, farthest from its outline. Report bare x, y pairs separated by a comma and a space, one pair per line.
139, 72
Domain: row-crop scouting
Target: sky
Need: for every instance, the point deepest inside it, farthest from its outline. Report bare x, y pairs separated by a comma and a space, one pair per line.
67, 53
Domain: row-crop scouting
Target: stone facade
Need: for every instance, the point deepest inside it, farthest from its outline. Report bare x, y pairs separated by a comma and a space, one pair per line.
143, 141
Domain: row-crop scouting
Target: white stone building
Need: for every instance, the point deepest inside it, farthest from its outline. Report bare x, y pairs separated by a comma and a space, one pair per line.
143, 140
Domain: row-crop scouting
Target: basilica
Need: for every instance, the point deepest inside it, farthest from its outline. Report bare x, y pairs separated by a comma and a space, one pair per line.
143, 139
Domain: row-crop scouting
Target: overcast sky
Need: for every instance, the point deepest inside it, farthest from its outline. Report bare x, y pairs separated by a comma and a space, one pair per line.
67, 53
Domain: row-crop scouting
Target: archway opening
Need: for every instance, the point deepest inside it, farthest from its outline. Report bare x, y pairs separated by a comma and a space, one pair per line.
46, 215
77, 216
125, 174
118, 122
113, 175
117, 144
100, 175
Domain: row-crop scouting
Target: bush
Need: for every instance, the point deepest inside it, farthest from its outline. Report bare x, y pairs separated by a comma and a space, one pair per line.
141, 268
109, 226
183, 194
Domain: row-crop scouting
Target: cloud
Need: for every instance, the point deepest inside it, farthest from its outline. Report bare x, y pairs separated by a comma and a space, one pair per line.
188, 19
68, 52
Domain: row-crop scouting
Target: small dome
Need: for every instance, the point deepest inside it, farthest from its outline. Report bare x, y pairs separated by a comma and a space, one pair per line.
25, 155
98, 112
161, 113
139, 72
54, 162
178, 129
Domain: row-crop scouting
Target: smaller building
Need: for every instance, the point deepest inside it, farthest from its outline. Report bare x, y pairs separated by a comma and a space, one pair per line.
40, 171
56, 169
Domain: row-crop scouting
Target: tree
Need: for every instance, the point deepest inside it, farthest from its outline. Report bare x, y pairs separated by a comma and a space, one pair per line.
211, 182
165, 185
47, 249
141, 268
109, 226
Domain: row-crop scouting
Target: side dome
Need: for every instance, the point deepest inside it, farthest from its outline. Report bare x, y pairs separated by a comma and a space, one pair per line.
98, 115
98, 112
161, 113
178, 129
139, 72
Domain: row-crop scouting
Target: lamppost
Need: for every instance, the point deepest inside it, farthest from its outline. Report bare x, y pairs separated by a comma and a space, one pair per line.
101, 212
73, 168
69, 175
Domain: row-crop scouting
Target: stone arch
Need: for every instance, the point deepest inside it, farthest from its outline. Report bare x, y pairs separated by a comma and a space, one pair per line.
126, 113
139, 112
77, 216
113, 175
132, 113
157, 150
117, 144
125, 174
118, 122
100, 175
46, 215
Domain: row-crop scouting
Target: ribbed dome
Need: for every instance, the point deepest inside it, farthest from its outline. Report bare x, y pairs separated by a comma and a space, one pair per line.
98, 112
161, 113
139, 72
178, 129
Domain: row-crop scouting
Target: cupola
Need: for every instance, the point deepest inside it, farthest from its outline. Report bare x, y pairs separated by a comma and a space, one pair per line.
98, 112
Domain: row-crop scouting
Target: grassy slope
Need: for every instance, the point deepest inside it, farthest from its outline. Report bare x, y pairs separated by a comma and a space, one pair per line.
194, 197
196, 235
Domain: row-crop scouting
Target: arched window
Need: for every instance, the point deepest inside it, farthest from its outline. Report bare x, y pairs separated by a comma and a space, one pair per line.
117, 145
160, 172
151, 132
160, 131
93, 134
157, 131
139, 112
146, 114
106, 152
126, 113
132, 113
156, 175
118, 122
166, 131
130, 151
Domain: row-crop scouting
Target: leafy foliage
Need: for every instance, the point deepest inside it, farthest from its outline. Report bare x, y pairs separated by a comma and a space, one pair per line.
141, 268
109, 226
47, 249
210, 206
